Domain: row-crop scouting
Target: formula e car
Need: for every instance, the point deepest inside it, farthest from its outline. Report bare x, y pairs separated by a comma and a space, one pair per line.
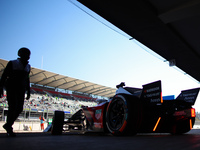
132, 111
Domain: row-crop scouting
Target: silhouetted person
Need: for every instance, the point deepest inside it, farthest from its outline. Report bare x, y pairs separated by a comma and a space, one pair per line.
15, 79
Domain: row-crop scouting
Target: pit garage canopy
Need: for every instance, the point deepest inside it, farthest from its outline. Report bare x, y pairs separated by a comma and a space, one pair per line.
46, 78
171, 28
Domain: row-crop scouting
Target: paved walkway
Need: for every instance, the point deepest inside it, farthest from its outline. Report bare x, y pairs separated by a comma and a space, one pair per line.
69, 141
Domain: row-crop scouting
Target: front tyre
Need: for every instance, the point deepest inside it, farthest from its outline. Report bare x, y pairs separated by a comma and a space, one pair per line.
123, 115
57, 124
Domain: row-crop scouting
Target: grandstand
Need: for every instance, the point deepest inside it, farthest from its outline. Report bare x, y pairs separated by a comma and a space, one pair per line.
44, 103
51, 91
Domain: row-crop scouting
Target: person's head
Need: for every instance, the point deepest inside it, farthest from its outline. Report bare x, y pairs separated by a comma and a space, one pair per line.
24, 53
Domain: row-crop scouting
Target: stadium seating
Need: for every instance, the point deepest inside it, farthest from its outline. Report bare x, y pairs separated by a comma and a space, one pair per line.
48, 101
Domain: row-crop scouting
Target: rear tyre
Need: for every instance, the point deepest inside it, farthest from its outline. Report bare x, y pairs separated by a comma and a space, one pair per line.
57, 124
182, 127
123, 115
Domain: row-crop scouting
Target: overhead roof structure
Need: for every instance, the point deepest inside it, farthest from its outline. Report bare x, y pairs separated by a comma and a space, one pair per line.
46, 78
171, 28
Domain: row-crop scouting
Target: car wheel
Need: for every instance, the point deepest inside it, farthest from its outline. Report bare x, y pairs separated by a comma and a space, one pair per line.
57, 124
123, 115
182, 127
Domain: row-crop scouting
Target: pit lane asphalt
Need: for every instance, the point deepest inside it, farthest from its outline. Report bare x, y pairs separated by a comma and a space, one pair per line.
74, 141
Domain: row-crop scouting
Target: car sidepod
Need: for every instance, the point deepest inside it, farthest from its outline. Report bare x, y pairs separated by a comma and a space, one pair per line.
96, 117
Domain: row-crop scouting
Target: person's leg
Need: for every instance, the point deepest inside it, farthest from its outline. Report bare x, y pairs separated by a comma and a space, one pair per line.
15, 100
19, 106
11, 112
42, 126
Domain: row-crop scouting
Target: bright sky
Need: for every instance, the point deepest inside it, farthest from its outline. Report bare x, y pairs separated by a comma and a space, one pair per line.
66, 40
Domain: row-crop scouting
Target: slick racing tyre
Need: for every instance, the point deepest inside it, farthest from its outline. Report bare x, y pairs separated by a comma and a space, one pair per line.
57, 124
123, 115
182, 127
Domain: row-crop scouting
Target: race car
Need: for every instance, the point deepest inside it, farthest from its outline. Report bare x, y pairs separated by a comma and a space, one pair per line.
131, 111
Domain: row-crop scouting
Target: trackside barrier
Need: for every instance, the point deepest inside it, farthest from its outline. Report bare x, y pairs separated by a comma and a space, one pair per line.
24, 126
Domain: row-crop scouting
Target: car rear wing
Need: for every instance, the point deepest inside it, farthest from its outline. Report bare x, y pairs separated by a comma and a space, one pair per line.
189, 96
152, 93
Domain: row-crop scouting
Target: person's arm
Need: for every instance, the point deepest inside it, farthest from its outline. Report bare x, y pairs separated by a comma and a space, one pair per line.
4, 76
28, 87
1, 91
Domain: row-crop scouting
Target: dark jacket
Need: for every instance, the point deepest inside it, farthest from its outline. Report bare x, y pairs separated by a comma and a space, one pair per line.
16, 76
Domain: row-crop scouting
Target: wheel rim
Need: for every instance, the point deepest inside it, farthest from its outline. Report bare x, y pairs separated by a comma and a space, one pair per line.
116, 114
